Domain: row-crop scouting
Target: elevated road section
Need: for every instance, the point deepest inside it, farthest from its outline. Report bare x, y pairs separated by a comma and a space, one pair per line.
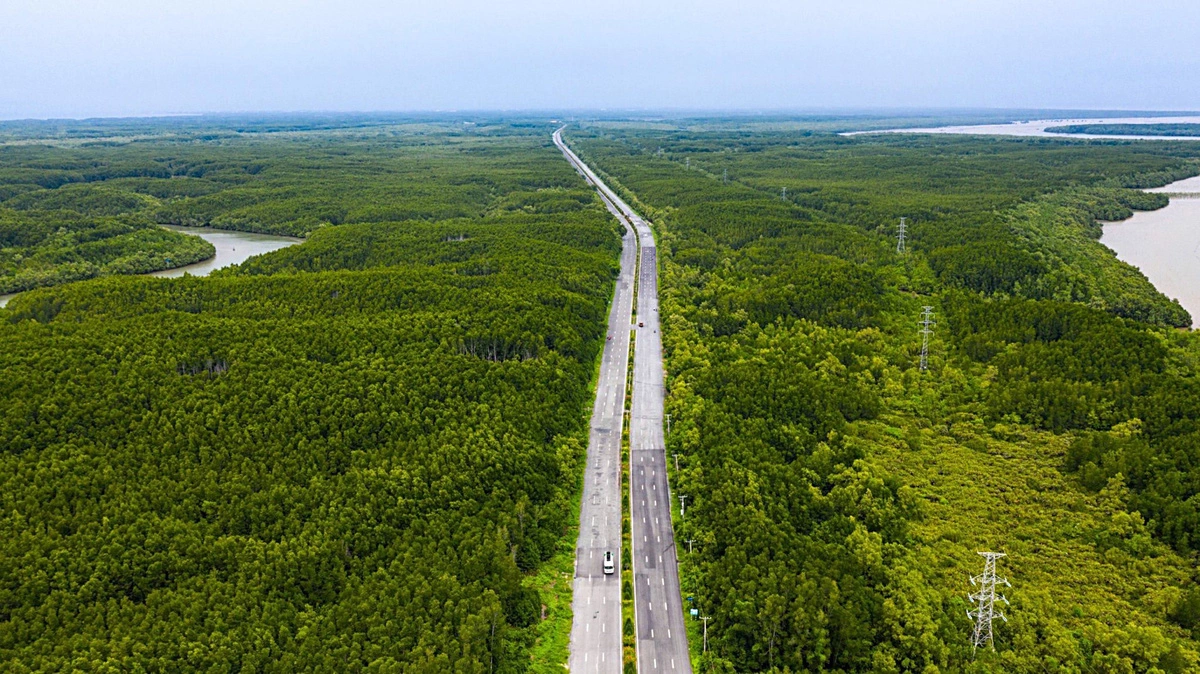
596, 626
661, 636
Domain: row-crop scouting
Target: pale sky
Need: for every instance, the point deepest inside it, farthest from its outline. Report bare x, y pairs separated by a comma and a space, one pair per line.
75, 58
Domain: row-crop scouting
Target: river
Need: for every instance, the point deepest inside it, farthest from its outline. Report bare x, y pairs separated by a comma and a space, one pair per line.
1037, 127
1165, 244
232, 248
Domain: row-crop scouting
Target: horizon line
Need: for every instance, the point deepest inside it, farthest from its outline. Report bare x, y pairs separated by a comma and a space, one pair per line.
679, 111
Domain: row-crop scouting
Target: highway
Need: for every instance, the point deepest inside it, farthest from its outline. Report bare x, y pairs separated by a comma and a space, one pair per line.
596, 626
658, 610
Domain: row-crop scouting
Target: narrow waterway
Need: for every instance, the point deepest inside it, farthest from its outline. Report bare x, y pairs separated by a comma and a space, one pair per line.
232, 248
1165, 244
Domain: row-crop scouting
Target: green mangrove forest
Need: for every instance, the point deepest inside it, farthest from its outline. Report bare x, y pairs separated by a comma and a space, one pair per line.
363, 453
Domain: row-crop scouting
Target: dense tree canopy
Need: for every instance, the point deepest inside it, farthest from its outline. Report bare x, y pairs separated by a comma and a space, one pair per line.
804, 428
349, 454
47, 247
344, 456
1151, 129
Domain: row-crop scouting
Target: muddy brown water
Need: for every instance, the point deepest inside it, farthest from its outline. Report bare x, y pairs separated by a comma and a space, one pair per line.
1165, 244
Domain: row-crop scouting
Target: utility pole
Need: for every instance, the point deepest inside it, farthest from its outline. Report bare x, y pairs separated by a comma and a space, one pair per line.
676, 455
706, 618
689, 542
926, 330
901, 235
668, 424
985, 601
681, 497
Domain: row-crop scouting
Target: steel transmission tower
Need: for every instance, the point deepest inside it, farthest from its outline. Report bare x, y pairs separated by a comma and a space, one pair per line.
985, 601
900, 236
725, 177
926, 330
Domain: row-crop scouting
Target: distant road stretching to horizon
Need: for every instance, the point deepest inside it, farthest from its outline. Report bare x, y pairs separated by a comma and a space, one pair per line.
596, 601
658, 606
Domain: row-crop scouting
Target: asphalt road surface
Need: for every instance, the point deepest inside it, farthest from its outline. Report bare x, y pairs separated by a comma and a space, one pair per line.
596, 627
658, 610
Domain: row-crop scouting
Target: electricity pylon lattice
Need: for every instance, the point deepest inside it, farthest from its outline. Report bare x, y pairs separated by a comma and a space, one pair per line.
901, 234
926, 330
985, 601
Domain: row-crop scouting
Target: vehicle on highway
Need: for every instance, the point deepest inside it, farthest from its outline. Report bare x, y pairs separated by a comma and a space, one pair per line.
641, 324
609, 567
